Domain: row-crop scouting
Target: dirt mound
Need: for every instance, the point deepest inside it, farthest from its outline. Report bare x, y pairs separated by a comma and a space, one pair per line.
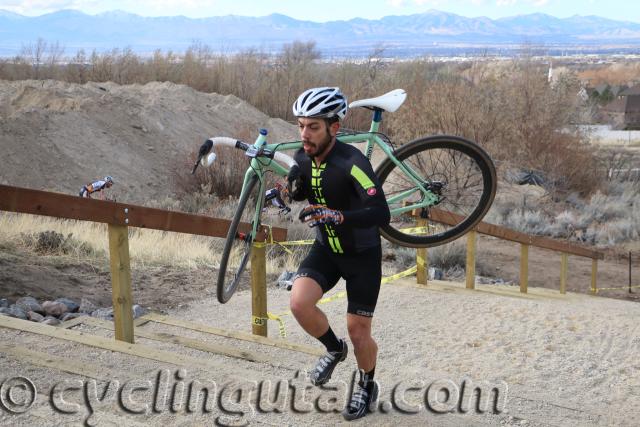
30, 99
59, 136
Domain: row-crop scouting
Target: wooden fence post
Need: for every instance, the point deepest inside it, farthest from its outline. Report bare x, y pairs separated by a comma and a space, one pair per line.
121, 282
594, 273
422, 263
564, 265
259, 289
524, 268
471, 260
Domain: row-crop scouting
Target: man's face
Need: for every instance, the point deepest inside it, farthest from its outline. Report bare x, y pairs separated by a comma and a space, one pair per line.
316, 135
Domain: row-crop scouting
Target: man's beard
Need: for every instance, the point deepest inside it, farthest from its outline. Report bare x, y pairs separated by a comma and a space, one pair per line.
322, 146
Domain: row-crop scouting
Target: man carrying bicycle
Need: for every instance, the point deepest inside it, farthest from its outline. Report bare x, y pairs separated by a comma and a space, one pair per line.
347, 206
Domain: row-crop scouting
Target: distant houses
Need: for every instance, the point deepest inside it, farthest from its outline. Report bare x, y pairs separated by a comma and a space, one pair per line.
623, 112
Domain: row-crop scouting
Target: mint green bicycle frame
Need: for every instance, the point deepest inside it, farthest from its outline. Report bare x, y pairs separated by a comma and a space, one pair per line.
260, 165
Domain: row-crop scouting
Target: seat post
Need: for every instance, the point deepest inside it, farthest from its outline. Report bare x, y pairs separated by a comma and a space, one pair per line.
376, 119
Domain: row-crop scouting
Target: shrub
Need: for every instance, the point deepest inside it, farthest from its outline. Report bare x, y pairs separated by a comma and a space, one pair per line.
399, 257
54, 243
166, 203
198, 202
532, 222
448, 256
223, 178
563, 225
602, 208
616, 232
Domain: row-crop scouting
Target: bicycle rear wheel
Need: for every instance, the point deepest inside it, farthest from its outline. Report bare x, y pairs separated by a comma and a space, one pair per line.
457, 171
237, 248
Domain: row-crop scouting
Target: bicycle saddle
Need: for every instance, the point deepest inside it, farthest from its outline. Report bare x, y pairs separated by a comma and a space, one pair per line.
390, 101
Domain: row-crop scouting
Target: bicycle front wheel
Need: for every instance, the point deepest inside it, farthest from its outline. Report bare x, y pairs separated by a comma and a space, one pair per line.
458, 174
237, 248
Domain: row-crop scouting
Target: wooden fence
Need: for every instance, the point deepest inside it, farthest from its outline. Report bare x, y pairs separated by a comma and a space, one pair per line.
120, 216
565, 249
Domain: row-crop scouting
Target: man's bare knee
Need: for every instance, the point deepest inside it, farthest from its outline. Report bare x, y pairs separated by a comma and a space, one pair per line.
359, 331
305, 293
299, 306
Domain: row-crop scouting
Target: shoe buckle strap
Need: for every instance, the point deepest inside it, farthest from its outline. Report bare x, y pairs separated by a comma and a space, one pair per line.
359, 397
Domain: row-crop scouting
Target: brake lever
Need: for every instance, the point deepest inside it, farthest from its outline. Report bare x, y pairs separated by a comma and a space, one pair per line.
203, 151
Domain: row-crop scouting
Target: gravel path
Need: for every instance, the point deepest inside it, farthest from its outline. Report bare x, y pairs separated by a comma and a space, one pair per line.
566, 360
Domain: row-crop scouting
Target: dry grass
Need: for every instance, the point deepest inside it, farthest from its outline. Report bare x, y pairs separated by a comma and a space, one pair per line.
88, 242
16, 229
146, 247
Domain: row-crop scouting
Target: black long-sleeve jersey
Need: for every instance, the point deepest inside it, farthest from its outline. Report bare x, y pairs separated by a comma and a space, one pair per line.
345, 181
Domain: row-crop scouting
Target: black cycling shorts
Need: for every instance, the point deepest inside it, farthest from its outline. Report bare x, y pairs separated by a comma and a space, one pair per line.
362, 272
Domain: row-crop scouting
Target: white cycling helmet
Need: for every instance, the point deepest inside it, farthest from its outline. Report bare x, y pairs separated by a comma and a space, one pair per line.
108, 178
321, 102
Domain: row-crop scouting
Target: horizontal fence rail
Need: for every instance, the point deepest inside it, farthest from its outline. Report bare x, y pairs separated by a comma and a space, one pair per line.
37, 202
449, 218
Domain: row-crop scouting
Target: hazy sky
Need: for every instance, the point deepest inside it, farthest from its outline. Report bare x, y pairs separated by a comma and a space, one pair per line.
327, 10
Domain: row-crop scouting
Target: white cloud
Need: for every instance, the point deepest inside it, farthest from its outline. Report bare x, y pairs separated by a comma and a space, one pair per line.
163, 4
439, 3
431, 3
442, 3
39, 7
537, 3
395, 3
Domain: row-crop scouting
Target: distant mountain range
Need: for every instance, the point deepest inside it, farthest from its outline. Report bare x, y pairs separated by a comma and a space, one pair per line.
412, 34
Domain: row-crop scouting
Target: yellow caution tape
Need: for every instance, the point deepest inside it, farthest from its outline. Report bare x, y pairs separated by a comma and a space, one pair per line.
334, 297
283, 331
405, 273
294, 242
284, 245
611, 289
417, 230
287, 250
287, 243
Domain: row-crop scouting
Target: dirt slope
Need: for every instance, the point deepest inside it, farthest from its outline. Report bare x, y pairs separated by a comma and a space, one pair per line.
60, 136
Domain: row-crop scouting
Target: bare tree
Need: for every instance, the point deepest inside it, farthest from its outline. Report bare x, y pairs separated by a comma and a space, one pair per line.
294, 63
33, 54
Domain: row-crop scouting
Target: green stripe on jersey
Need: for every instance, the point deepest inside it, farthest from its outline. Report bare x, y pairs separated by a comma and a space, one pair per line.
361, 177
